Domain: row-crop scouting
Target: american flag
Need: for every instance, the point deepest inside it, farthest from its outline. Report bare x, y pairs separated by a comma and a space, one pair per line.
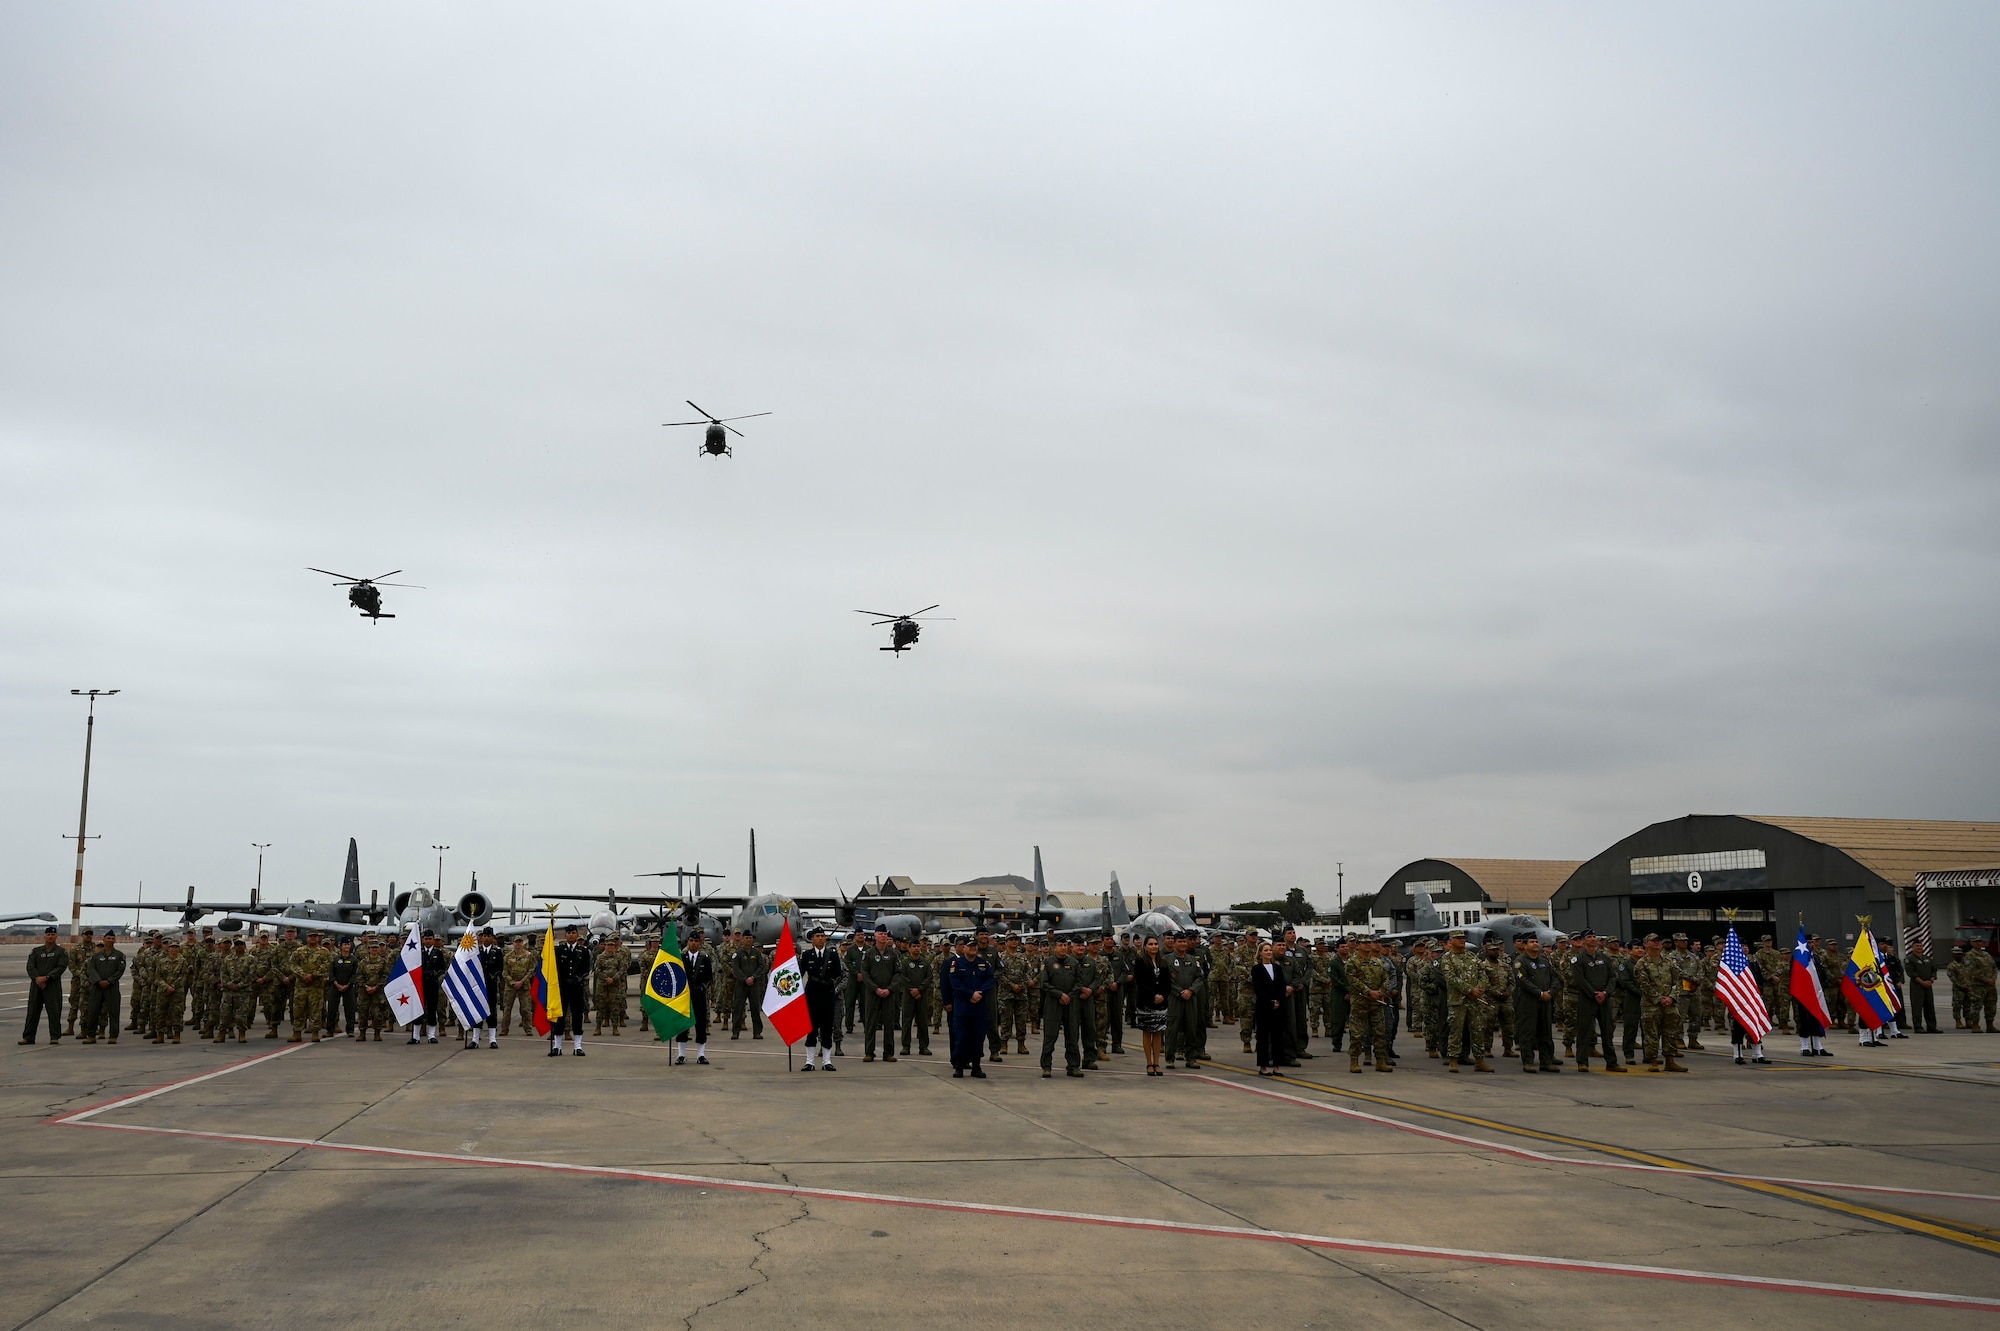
1737, 988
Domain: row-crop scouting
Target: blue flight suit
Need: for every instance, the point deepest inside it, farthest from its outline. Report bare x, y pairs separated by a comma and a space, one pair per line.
964, 977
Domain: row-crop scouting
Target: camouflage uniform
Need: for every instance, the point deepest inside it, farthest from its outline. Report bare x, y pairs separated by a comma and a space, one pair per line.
211, 982
1463, 973
1241, 1002
515, 973
170, 979
1981, 983
79, 956
1367, 1021
1019, 990
307, 967
376, 964
608, 974
1499, 1004
1660, 992
144, 966
1319, 999
1222, 983
1563, 957
1773, 981
237, 978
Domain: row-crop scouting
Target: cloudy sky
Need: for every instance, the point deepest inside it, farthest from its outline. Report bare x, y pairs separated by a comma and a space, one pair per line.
1341, 435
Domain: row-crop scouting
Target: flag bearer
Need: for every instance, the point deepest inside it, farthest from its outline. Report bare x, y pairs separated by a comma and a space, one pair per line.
821, 967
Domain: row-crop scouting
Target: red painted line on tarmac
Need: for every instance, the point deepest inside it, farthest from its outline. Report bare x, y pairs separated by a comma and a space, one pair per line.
90, 1111
1544, 1157
1768, 1284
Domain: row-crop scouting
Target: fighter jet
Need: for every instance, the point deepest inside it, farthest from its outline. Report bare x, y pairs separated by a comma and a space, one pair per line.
33, 915
1509, 929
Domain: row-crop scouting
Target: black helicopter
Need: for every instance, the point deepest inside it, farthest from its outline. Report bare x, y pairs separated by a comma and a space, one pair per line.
362, 593
715, 439
903, 629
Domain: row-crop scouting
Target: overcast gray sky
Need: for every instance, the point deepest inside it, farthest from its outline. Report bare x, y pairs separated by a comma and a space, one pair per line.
1342, 434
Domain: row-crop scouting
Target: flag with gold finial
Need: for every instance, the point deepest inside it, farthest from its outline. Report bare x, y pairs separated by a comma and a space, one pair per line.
667, 1001
1862, 982
545, 1007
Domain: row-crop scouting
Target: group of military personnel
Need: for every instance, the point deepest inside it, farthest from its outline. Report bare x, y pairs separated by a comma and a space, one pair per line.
1356, 992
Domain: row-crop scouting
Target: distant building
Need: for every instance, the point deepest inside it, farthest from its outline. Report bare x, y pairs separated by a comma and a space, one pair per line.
1465, 891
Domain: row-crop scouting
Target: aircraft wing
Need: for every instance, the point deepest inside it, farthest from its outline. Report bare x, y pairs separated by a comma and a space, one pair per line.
206, 907
636, 898
305, 925
34, 915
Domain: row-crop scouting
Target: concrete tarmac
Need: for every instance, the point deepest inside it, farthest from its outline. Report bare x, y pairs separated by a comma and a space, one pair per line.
345, 1184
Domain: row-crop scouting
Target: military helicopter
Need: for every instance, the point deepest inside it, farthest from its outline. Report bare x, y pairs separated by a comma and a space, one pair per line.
362, 593
903, 629
715, 439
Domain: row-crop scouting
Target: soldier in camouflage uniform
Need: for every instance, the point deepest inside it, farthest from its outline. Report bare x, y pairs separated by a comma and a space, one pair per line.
1982, 988
216, 952
236, 980
1660, 991
611, 993
917, 993
1499, 1000
1562, 956
1241, 1002
265, 983
1773, 982
371, 977
1367, 996
1426, 981
1020, 988
278, 991
517, 975
308, 967
1955, 971
144, 966
1465, 982
79, 955
1631, 1003
1103, 987
1319, 993
170, 980
1222, 981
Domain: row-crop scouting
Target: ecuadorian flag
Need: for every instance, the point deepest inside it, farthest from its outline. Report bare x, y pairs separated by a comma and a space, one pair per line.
1861, 980
545, 995
666, 1002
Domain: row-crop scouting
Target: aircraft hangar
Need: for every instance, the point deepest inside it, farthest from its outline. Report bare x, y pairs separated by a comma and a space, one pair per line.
1685, 875
1464, 889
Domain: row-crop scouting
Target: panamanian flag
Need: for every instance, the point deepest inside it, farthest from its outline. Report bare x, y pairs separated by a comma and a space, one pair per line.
405, 986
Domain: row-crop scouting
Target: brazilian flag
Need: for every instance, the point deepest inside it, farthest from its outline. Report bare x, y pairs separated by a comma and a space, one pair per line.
666, 1002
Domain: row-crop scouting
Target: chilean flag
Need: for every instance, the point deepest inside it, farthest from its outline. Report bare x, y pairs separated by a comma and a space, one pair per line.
785, 993
405, 986
1805, 982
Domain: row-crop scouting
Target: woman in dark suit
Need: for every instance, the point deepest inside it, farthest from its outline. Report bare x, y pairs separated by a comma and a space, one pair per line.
1149, 1003
1267, 994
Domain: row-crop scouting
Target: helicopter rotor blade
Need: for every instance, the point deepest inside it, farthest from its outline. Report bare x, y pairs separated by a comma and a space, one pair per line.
751, 417
379, 576
703, 410
884, 616
331, 574
914, 613
418, 585
665, 424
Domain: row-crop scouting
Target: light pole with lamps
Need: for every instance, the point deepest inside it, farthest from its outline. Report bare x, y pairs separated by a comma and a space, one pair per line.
440, 878
257, 892
83, 813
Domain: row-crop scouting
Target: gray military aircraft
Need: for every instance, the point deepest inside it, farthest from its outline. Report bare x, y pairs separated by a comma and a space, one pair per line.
348, 909
1110, 916
1509, 929
32, 915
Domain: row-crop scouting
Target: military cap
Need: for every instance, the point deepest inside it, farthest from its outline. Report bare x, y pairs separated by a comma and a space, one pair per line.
87, 929
1493, 943
1680, 938
152, 933
569, 929
487, 931
1586, 933
1456, 933
238, 940
697, 933
1765, 939
1651, 938
51, 930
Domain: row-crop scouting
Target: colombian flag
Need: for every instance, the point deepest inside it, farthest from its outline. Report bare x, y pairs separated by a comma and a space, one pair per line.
667, 1002
1861, 980
545, 1005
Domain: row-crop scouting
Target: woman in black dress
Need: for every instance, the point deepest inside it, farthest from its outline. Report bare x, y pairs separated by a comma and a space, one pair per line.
1267, 995
1149, 1003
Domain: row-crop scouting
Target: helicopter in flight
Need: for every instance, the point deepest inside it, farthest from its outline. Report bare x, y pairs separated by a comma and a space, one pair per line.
715, 439
904, 630
362, 593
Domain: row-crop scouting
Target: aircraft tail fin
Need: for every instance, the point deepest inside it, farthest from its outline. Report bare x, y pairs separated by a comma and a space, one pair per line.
1041, 884
1427, 915
1120, 913
753, 862
350, 885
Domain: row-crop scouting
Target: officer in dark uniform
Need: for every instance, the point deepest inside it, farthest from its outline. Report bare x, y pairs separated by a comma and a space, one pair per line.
1535, 987
700, 966
492, 961
969, 980
343, 988
823, 972
47, 966
574, 963
436, 962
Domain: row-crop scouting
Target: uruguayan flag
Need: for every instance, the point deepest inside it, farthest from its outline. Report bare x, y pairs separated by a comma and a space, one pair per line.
465, 982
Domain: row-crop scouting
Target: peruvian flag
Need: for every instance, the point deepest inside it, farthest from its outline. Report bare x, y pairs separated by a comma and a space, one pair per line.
785, 993
405, 986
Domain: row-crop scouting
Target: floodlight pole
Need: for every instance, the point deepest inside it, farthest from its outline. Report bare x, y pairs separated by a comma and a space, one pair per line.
83, 812
1340, 896
257, 892
440, 878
